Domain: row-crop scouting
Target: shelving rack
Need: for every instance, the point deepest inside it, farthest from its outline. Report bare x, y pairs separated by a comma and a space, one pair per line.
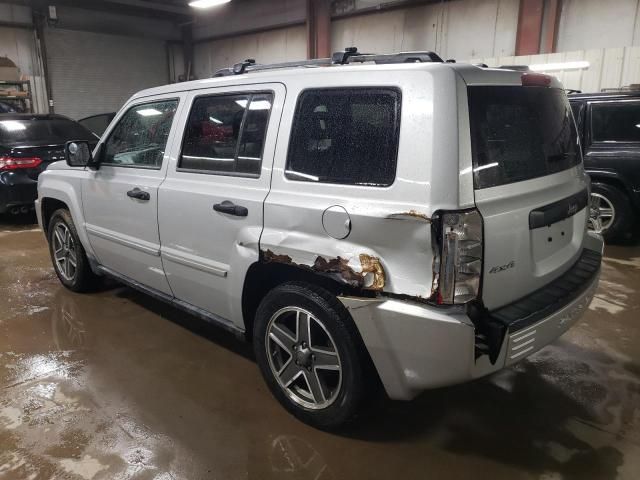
25, 101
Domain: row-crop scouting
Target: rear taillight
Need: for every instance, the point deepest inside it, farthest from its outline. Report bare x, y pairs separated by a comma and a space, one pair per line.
16, 163
460, 257
535, 80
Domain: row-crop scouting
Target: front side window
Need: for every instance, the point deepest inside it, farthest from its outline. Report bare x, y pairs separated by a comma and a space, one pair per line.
346, 136
225, 134
140, 137
615, 122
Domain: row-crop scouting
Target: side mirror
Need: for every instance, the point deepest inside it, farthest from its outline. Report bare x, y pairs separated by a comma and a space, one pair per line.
77, 153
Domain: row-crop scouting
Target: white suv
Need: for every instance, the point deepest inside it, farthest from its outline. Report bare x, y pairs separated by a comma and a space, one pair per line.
365, 220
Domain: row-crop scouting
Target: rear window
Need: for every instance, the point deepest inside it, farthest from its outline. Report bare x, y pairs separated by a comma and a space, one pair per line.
615, 122
347, 136
41, 130
520, 133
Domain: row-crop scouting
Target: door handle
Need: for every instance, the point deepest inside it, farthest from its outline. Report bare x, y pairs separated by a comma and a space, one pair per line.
231, 209
139, 194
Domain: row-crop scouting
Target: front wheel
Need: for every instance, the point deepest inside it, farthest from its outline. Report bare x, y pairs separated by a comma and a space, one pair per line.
67, 254
310, 354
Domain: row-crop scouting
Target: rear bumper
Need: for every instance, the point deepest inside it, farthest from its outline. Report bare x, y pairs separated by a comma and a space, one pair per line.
415, 347
16, 190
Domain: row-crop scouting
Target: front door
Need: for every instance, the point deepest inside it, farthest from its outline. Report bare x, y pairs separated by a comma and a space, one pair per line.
211, 203
120, 199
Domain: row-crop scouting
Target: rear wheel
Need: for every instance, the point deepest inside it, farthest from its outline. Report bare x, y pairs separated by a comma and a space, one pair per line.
611, 212
310, 354
67, 254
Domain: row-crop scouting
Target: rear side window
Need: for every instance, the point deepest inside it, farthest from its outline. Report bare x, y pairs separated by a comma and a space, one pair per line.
225, 134
520, 133
615, 122
346, 136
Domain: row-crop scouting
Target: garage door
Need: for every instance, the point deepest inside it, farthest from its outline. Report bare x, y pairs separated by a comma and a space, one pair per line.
95, 73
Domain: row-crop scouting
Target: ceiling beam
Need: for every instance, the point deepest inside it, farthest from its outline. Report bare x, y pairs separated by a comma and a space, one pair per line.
150, 5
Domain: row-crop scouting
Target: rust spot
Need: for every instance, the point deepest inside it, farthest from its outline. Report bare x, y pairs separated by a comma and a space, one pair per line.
339, 266
339, 269
411, 214
372, 265
269, 256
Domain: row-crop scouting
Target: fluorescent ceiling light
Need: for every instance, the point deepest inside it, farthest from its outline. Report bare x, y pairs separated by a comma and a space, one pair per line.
215, 120
149, 112
207, 3
549, 67
255, 105
12, 125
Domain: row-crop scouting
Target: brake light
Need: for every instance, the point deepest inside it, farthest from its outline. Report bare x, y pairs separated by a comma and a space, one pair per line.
535, 80
460, 262
16, 163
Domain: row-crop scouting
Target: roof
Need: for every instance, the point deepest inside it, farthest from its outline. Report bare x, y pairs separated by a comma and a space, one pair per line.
279, 75
472, 75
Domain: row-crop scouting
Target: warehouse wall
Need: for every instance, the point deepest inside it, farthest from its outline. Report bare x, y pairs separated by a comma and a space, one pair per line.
589, 24
458, 29
247, 16
20, 46
272, 46
609, 67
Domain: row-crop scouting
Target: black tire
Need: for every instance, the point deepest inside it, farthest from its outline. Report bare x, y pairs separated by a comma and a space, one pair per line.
356, 366
622, 226
83, 278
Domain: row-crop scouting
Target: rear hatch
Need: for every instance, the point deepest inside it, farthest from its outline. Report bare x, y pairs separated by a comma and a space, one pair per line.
529, 184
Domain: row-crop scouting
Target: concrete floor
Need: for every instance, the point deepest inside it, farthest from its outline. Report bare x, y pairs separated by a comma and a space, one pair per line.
116, 385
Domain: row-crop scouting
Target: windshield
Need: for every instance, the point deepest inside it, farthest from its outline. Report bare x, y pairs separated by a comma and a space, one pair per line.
41, 131
520, 133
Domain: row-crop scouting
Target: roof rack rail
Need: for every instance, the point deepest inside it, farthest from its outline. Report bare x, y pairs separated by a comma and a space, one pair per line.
349, 55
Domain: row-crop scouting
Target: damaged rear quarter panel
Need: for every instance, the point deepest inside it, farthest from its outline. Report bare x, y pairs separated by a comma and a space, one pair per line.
389, 245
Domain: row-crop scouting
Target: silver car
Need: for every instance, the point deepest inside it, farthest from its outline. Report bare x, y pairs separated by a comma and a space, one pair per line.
366, 221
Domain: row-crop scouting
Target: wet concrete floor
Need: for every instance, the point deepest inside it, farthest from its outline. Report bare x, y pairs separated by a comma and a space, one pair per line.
116, 385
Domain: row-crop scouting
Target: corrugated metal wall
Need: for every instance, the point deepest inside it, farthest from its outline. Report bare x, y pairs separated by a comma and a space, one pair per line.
95, 73
609, 67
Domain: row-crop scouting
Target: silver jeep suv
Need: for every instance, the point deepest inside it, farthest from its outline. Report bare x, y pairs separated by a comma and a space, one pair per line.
365, 220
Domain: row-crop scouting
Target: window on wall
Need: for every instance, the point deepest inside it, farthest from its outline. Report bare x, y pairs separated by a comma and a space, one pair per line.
615, 122
140, 137
347, 136
225, 134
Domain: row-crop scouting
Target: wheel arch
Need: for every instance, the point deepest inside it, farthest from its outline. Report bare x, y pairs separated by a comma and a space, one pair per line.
262, 277
615, 180
55, 192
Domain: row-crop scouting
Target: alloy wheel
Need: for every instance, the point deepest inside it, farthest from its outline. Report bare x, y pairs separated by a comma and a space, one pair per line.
303, 358
602, 213
64, 252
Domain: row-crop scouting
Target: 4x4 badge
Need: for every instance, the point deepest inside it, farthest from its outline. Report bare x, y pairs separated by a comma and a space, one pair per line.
502, 268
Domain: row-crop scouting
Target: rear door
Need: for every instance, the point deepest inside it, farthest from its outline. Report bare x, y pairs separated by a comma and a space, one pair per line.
120, 200
529, 184
613, 136
211, 203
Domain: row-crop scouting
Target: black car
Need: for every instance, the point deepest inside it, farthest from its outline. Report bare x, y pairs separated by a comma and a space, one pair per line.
97, 123
609, 126
28, 144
